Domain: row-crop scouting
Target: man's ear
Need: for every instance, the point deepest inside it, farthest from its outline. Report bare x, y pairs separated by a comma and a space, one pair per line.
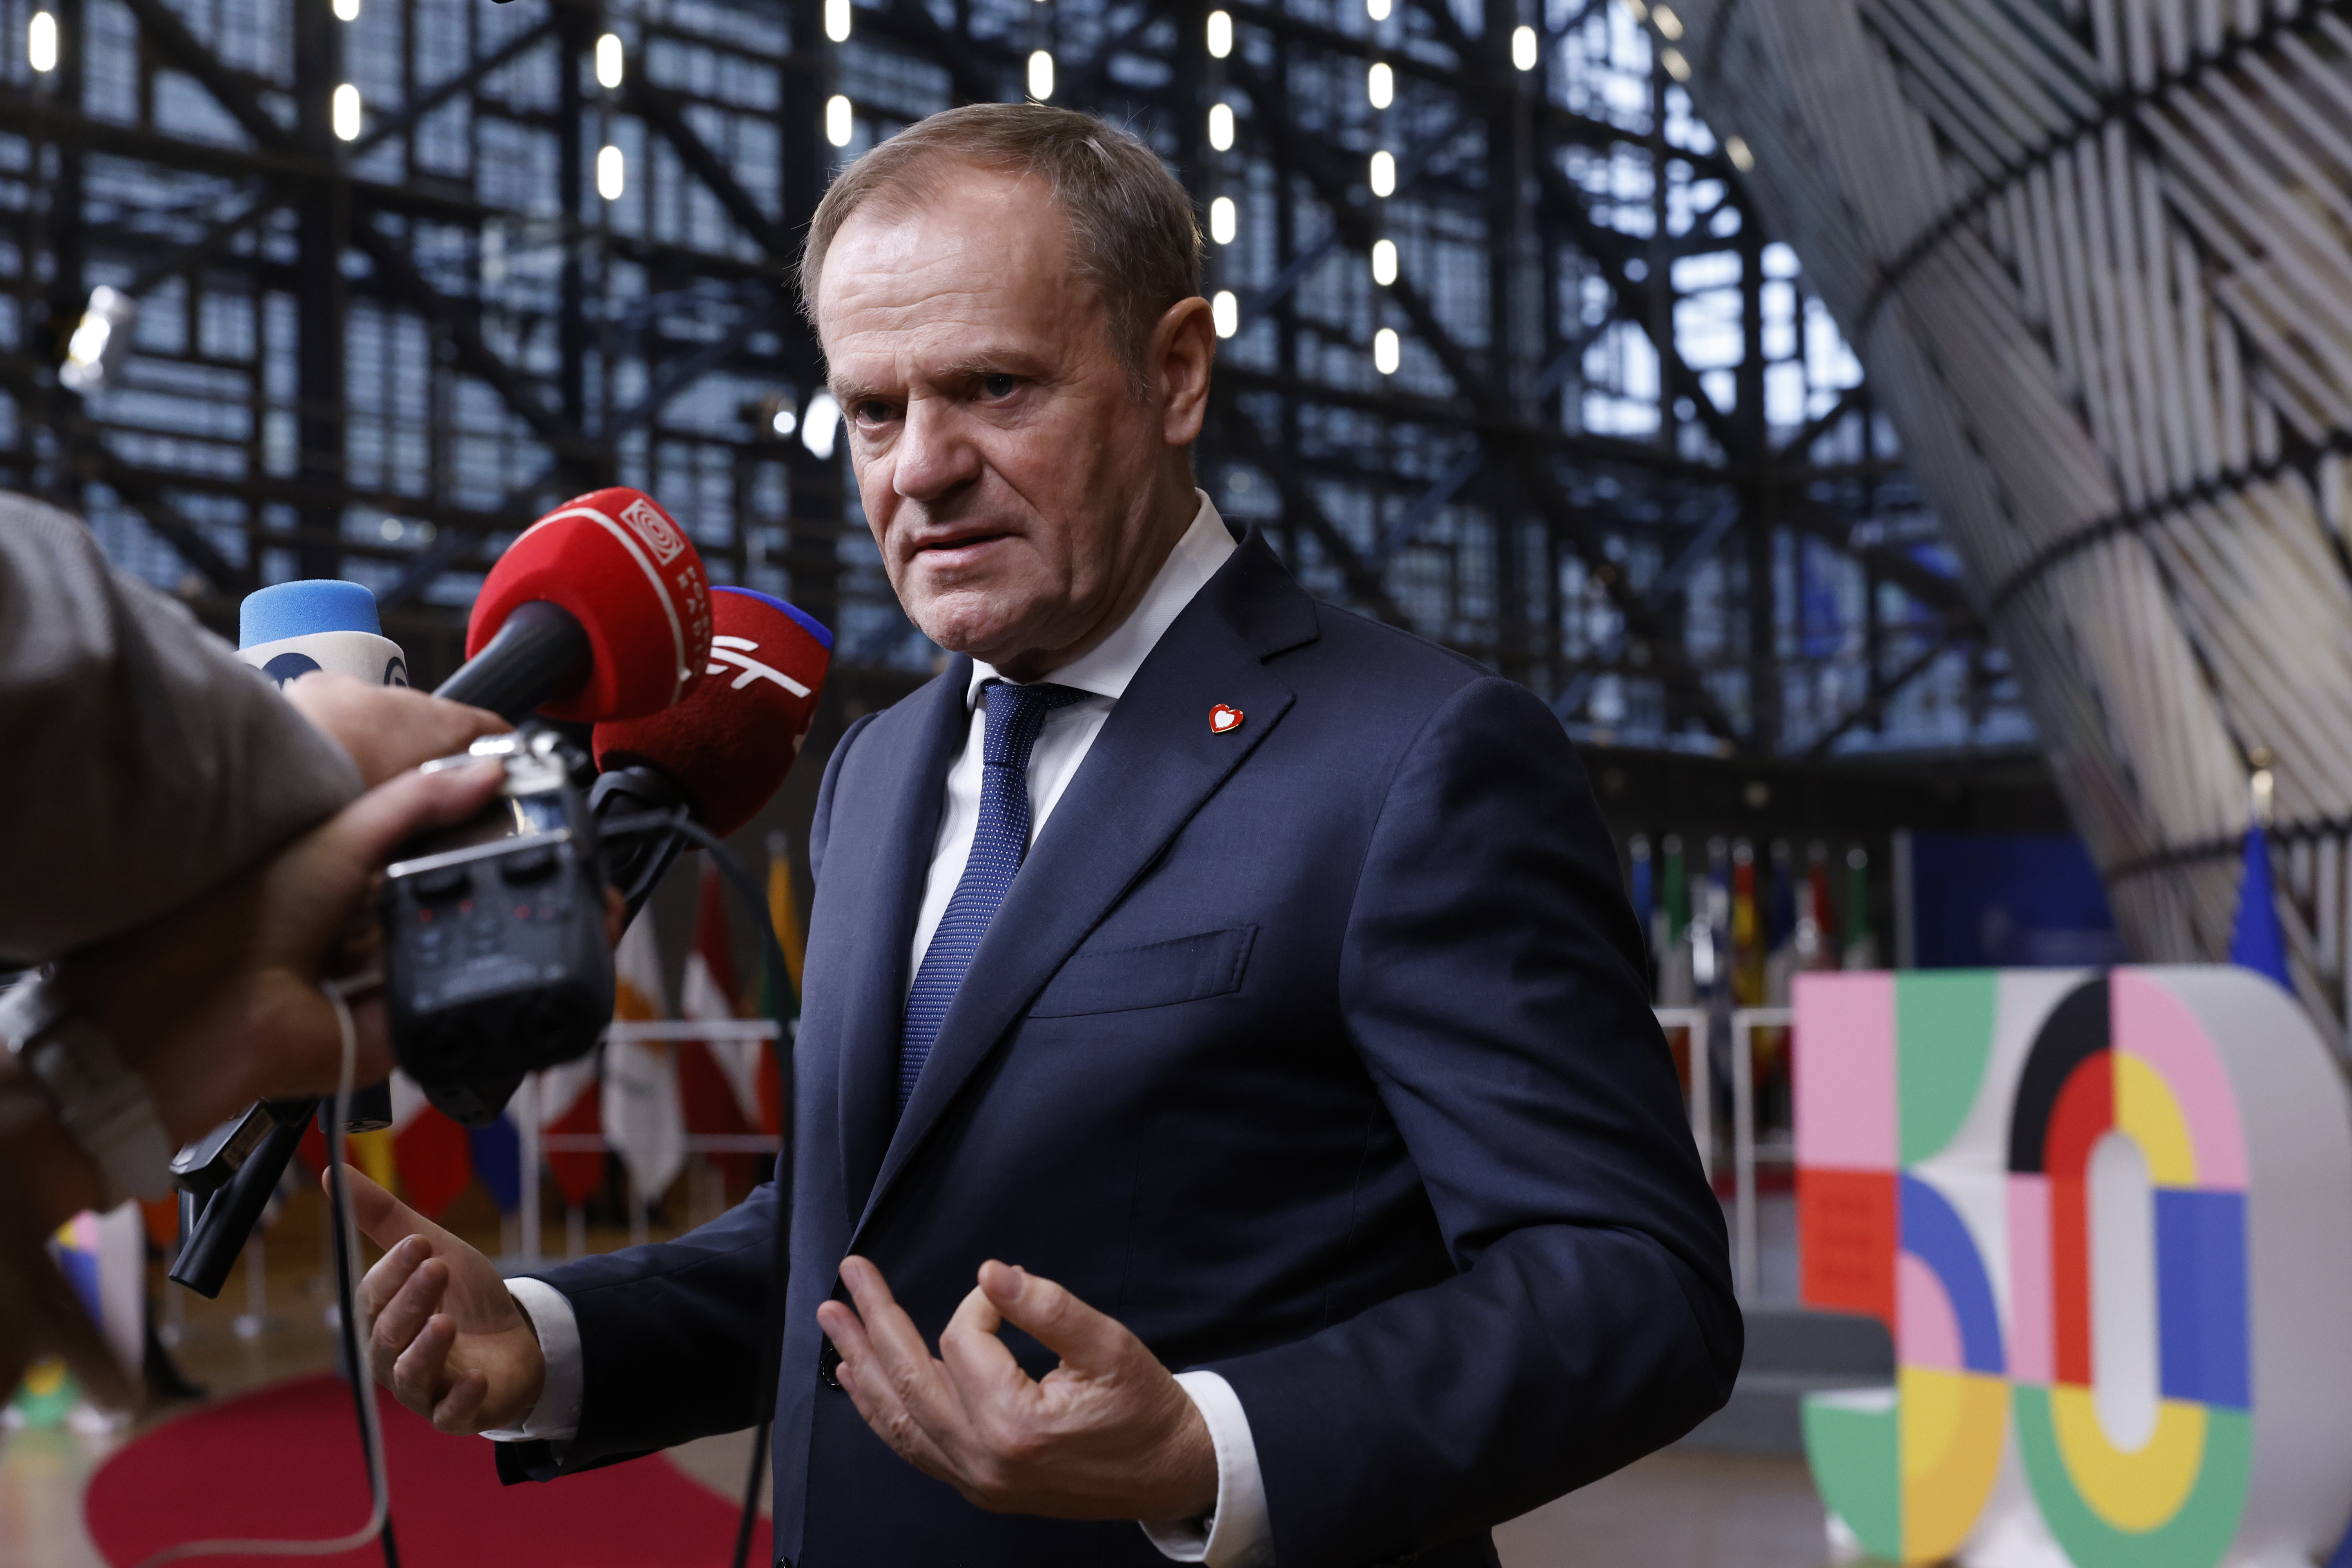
1183, 346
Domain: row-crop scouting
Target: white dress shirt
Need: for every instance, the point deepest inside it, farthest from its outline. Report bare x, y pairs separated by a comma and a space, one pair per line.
1238, 1533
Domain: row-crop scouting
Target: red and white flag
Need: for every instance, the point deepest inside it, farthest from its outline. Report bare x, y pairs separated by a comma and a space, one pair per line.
431, 1153
643, 1122
571, 1100
719, 1078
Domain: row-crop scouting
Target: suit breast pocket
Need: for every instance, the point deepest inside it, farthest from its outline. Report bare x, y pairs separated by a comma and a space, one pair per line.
1156, 975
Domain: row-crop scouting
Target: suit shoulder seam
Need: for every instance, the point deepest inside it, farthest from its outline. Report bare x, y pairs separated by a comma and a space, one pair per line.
1470, 667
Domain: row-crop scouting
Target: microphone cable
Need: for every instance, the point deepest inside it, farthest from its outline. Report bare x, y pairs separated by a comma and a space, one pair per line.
378, 1526
747, 889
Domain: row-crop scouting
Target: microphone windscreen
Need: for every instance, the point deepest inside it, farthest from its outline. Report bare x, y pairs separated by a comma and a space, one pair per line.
627, 572
731, 740
289, 629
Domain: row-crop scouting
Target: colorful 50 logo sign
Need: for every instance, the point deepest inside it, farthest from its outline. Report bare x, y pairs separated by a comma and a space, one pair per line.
2108, 1217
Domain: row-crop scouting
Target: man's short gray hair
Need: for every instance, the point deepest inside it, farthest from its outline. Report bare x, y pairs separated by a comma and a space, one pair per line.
1132, 231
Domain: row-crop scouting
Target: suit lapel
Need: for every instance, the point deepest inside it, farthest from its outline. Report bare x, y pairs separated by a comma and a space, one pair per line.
898, 861
1155, 762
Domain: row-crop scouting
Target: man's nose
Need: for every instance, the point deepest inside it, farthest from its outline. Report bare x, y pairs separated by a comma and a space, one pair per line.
934, 456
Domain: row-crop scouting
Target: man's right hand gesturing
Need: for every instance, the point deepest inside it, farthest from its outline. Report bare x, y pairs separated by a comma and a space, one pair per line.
443, 1333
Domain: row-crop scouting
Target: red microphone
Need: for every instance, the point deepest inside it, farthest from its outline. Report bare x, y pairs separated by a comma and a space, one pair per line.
600, 610
723, 753
728, 744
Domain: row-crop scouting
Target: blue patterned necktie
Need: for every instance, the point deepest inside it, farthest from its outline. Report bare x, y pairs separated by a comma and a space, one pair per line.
1015, 716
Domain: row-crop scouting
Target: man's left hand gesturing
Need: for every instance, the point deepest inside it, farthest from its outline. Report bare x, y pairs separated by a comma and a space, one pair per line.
1107, 1435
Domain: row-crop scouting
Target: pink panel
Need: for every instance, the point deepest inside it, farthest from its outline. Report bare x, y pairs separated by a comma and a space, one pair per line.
1844, 1070
2030, 1356
1926, 1330
2157, 1026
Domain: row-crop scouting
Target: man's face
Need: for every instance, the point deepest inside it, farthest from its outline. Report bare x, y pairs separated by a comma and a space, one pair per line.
1020, 491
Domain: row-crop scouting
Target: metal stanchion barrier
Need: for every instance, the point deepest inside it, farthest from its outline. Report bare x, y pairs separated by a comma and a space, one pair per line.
256, 1320
1745, 1251
1701, 1099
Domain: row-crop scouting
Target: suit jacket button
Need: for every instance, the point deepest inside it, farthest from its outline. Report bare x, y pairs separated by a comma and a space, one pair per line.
826, 1361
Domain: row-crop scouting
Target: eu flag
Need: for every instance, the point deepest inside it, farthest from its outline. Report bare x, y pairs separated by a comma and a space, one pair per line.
2258, 943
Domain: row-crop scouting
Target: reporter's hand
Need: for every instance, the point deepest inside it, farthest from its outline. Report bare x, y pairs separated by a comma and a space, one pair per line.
217, 1004
443, 1333
1110, 1433
387, 730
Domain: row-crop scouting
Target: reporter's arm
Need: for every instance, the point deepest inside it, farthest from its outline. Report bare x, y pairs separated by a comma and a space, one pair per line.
218, 1004
387, 730
145, 764
211, 1007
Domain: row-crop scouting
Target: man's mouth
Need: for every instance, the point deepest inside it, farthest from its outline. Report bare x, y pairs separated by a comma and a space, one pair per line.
958, 549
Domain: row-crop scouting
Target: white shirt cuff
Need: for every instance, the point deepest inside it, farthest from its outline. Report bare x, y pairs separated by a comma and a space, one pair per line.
1236, 1533
556, 1417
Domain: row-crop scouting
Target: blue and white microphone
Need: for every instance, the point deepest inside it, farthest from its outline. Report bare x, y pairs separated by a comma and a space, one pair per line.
292, 628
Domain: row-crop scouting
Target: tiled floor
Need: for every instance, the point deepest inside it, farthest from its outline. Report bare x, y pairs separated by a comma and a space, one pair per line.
41, 1475
1675, 1509
1679, 1510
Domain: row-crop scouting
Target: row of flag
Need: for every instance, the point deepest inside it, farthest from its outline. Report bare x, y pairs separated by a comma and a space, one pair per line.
2257, 937
1719, 922
643, 1097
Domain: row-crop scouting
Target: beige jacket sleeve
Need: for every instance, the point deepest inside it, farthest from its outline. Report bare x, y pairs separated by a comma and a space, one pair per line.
139, 763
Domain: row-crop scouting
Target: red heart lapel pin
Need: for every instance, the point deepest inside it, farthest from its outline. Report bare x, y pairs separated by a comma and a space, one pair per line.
1223, 717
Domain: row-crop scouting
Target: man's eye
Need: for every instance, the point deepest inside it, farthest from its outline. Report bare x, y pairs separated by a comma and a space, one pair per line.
999, 386
871, 412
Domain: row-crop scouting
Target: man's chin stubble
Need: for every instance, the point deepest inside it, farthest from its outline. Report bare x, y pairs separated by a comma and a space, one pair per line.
962, 637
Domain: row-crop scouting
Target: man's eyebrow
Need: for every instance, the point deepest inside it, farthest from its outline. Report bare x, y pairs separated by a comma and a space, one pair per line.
988, 362
971, 366
850, 394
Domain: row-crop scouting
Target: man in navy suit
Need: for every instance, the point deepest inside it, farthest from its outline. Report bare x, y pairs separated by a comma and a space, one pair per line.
1228, 1098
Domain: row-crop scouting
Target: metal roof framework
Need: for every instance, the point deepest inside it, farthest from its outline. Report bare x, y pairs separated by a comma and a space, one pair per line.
1540, 387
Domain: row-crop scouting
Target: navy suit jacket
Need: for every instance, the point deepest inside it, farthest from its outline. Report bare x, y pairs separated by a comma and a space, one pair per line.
1315, 1051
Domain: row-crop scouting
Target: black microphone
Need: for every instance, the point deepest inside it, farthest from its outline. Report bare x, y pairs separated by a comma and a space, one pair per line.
226, 1180
636, 859
540, 652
